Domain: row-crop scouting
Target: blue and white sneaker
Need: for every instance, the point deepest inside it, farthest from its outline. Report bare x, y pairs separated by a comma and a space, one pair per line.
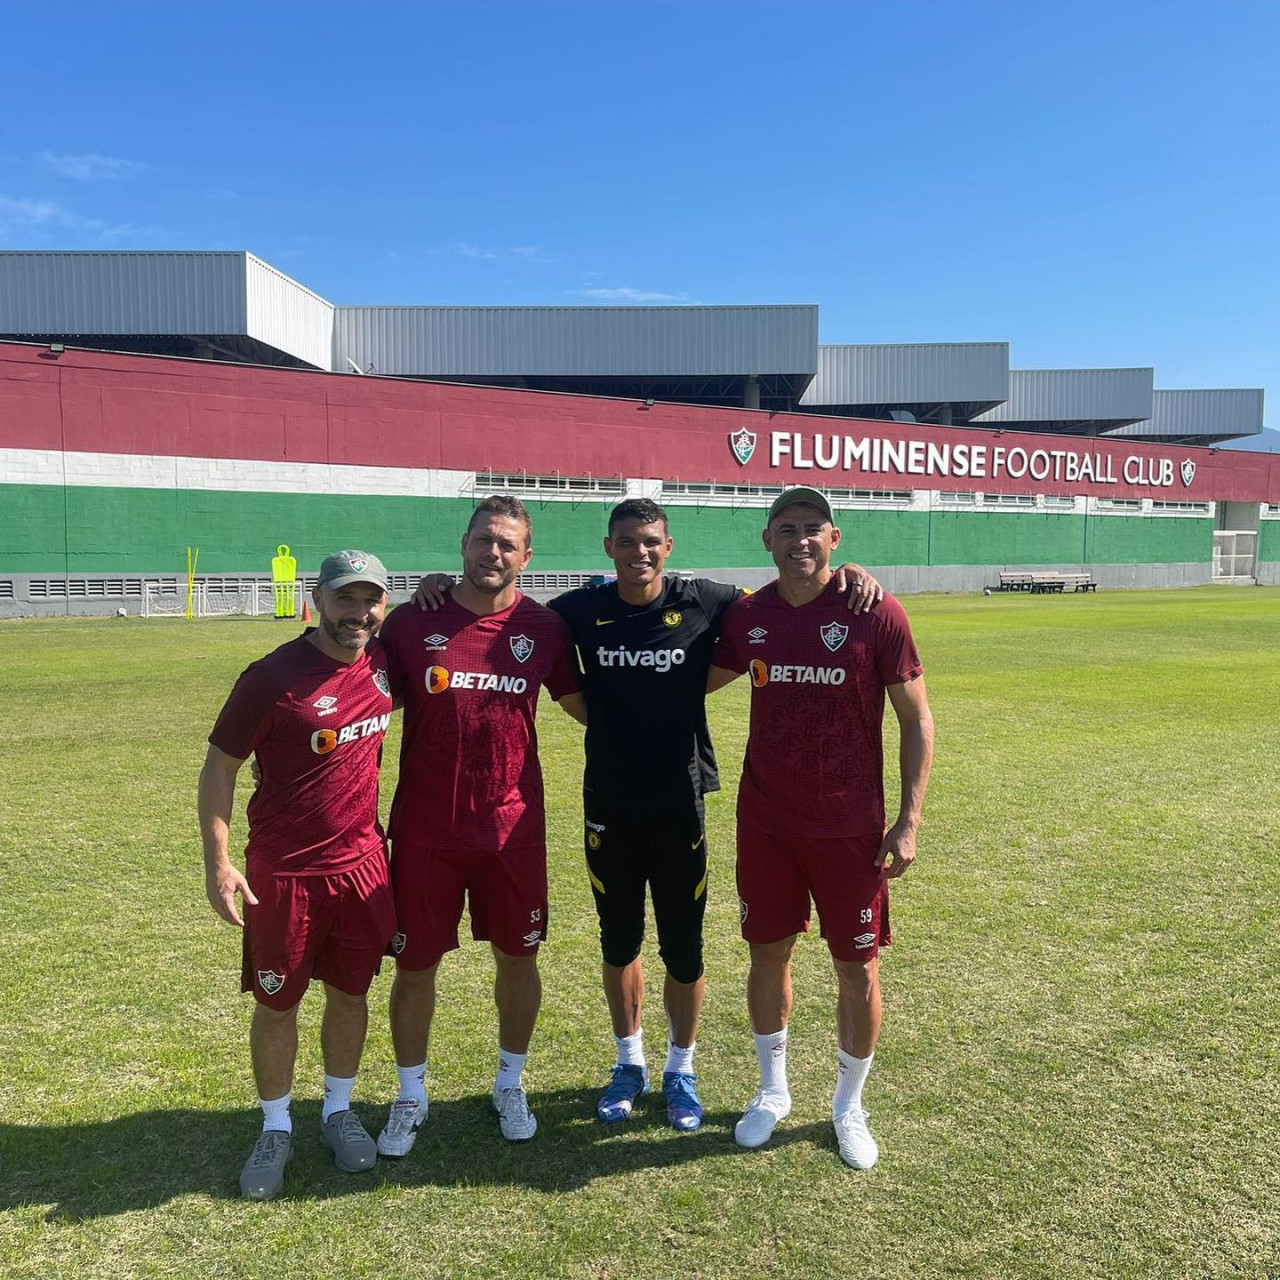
683, 1108
625, 1085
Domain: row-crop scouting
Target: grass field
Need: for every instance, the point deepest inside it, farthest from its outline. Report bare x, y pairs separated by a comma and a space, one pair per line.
1079, 1071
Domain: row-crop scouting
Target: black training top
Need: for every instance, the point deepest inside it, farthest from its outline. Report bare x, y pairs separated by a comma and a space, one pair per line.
645, 680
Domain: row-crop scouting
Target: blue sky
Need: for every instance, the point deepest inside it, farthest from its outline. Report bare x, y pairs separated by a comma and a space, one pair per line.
1098, 184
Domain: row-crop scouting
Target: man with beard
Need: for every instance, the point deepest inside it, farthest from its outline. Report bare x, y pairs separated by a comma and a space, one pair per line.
468, 821
317, 895
811, 811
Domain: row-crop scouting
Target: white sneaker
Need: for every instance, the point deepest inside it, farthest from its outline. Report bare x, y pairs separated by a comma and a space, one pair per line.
517, 1122
857, 1147
401, 1131
762, 1113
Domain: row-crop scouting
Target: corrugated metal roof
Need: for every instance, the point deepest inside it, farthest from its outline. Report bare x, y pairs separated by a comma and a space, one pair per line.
1225, 413
577, 341
281, 313
1074, 395
163, 294
122, 292
910, 373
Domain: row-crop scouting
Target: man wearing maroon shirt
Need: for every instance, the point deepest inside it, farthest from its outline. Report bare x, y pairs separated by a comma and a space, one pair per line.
811, 814
317, 893
468, 820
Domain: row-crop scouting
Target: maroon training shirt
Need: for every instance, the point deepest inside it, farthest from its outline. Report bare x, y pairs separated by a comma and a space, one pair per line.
469, 772
815, 760
316, 726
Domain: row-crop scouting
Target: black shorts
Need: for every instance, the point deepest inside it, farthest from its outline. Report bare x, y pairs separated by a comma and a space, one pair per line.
665, 849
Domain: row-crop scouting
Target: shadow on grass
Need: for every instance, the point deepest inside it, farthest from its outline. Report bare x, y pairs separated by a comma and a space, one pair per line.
143, 1160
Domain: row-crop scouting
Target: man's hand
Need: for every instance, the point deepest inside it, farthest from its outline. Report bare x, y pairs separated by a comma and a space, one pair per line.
432, 590
222, 887
897, 851
866, 593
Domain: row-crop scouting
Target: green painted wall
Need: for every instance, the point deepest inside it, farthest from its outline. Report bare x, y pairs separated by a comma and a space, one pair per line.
1269, 540
46, 529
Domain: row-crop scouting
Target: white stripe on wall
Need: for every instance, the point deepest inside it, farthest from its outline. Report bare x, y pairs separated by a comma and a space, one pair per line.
227, 475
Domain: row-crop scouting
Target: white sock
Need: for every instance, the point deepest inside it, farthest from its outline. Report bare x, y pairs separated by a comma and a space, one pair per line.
680, 1059
631, 1049
413, 1082
337, 1096
510, 1069
850, 1077
275, 1114
771, 1049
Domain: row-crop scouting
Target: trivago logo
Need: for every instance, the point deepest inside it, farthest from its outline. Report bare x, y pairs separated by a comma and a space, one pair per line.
440, 678
659, 659
782, 673
325, 740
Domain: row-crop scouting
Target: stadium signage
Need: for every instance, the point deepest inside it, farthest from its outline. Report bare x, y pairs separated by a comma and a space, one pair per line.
872, 455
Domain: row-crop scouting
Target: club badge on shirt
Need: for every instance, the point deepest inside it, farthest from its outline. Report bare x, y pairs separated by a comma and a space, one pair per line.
834, 635
521, 648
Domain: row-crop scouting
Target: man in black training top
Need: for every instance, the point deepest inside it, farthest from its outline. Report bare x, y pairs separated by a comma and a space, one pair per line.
646, 643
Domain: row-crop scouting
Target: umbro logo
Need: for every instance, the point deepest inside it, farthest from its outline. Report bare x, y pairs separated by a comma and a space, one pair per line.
532, 938
756, 635
864, 940
436, 641
325, 706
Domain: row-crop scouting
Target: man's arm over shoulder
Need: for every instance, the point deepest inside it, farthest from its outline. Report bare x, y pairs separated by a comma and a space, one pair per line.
897, 658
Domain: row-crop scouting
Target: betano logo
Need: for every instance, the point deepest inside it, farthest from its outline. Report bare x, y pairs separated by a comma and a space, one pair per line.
325, 740
782, 673
439, 679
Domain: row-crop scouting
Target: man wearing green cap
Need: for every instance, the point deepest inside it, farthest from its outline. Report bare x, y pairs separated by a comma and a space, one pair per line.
316, 891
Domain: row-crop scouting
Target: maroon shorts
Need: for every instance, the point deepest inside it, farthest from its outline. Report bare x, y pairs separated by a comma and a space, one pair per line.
777, 874
505, 889
332, 927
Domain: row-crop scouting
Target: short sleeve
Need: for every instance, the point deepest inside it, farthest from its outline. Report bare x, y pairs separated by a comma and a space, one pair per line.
716, 597
729, 653
246, 716
564, 675
390, 637
896, 656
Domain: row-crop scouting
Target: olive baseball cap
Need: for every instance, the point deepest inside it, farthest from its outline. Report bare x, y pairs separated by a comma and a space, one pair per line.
810, 498
345, 567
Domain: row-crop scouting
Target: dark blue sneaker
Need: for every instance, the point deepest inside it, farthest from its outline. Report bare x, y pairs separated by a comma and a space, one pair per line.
625, 1085
683, 1108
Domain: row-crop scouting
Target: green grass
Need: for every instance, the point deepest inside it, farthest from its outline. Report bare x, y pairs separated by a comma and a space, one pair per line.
1077, 1076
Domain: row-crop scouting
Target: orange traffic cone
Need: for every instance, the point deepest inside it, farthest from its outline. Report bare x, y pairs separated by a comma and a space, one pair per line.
306, 611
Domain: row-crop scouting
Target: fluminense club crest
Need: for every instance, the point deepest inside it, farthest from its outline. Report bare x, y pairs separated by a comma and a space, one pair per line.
383, 683
521, 648
1188, 472
743, 444
833, 635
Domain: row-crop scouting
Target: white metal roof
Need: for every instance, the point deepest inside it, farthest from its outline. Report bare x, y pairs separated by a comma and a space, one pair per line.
910, 373
163, 294
1074, 395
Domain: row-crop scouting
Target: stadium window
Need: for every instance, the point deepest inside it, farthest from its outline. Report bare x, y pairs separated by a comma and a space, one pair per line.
761, 495
522, 484
949, 498
1059, 502
1118, 504
1008, 500
1273, 509
1186, 508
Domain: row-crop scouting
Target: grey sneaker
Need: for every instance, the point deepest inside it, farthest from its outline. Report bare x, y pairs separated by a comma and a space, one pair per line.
353, 1150
401, 1130
515, 1119
263, 1173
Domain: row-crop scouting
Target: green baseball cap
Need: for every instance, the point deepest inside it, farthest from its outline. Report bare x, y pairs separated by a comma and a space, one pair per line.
800, 494
344, 567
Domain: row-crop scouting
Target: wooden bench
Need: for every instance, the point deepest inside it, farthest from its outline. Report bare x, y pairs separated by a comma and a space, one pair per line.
1015, 582
1047, 583
1079, 581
